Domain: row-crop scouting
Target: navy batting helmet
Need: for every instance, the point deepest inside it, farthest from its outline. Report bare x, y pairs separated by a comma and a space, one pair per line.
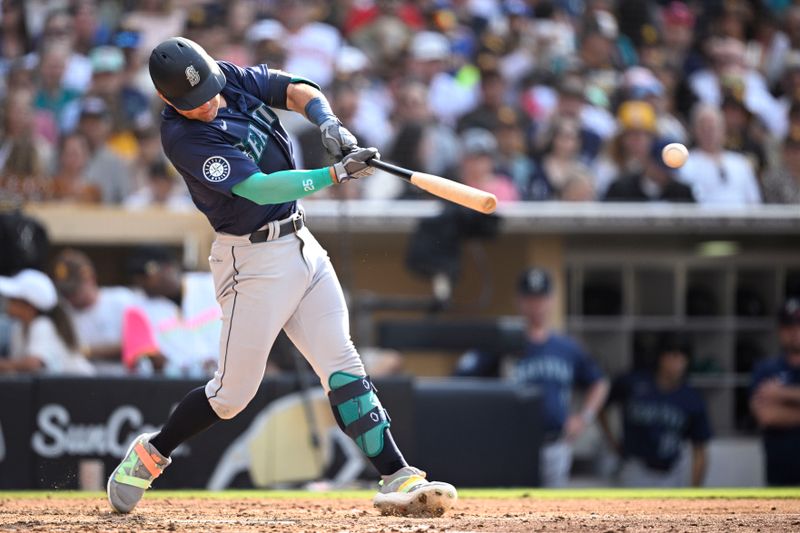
184, 73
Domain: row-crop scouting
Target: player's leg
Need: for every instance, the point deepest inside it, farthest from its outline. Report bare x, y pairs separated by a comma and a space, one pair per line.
249, 281
555, 461
635, 473
320, 329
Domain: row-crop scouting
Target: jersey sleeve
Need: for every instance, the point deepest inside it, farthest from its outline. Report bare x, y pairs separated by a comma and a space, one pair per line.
763, 371
207, 158
253, 80
699, 429
586, 369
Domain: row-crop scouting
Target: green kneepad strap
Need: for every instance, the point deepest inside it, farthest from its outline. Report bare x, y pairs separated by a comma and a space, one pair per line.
361, 412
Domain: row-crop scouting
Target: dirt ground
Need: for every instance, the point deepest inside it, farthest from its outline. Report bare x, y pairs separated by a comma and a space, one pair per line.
345, 515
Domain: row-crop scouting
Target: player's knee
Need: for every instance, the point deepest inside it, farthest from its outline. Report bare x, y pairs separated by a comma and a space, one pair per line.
228, 397
226, 409
228, 406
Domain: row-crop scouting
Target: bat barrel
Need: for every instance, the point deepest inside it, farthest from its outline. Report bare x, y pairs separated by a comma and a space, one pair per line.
453, 191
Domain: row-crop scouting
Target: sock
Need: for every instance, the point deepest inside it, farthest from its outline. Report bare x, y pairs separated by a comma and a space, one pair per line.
390, 460
193, 415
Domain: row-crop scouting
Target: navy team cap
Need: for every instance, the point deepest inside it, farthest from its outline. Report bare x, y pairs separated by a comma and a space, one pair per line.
535, 282
789, 313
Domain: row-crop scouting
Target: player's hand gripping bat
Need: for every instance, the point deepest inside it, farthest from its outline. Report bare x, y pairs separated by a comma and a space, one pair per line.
482, 201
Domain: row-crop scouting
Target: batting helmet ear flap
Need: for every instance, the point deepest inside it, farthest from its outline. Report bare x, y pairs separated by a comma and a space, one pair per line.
185, 75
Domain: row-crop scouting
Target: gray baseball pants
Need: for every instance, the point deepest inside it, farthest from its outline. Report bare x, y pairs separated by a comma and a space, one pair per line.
288, 283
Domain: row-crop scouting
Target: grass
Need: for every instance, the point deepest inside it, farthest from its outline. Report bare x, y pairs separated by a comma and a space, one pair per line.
545, 494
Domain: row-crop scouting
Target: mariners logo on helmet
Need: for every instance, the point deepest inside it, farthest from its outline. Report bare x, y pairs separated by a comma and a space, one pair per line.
216, 168
192, 75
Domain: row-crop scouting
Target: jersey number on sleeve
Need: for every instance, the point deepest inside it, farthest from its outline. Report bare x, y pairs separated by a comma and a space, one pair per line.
308, 185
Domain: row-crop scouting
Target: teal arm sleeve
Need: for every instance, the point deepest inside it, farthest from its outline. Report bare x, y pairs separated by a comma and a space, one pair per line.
282, 186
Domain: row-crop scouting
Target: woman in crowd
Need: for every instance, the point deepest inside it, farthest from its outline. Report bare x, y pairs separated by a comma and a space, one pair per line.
42, 338
69, 182
558, 161
24, 155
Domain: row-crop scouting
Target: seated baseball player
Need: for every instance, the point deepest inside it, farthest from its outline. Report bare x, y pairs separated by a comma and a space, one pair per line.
270, 274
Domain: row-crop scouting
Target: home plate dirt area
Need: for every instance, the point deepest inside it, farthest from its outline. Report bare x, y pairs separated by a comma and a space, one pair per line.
60, 512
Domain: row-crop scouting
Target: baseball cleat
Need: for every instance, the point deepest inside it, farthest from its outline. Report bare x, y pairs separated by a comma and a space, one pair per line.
134, 475
408, 493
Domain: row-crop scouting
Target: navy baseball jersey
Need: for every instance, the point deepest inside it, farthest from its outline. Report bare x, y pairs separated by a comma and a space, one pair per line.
656, 422
555, 366
246, 137
781, 445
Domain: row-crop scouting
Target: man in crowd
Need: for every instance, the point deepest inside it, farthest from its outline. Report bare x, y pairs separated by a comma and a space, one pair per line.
717, 176
654, 183
97, 312
176, 320
781, 183
106, 169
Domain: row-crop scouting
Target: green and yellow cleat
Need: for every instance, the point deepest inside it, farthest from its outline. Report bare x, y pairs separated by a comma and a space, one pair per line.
408, 493
134, 475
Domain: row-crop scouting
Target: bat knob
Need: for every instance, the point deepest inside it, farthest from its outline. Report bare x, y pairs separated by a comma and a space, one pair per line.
489, 204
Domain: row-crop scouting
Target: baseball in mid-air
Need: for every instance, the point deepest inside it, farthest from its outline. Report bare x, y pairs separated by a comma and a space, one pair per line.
674, 155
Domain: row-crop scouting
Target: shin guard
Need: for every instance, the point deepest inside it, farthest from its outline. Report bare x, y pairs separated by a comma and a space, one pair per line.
358, 411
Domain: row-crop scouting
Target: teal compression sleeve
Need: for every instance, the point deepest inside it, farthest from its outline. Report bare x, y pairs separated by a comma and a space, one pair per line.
282, 186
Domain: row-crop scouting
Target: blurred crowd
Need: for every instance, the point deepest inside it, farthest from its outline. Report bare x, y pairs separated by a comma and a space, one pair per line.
161, 320
164, 321
531, 99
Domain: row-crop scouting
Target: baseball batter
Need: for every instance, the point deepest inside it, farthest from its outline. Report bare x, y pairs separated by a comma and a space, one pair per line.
269, 272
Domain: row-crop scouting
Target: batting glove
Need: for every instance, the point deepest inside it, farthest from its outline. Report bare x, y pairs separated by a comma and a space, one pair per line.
336, 138
354, 164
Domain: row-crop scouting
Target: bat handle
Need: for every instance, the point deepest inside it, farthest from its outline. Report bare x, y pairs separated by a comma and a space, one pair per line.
388, 167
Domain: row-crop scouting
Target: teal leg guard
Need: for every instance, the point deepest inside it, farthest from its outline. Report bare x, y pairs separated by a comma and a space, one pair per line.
360, 413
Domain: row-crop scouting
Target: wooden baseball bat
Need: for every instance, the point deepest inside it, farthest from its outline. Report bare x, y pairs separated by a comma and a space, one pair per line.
481, 201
